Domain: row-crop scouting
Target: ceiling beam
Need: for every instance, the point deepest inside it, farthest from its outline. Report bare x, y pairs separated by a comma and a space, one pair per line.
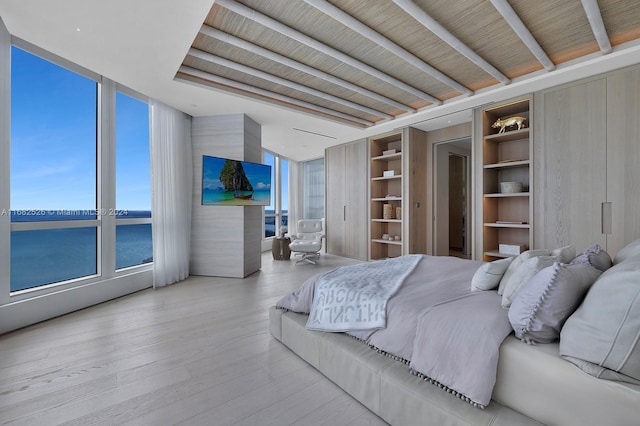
434, 26
284, 82
504, 8
594, 16
256, 92
352, 23
321, 47
265, 53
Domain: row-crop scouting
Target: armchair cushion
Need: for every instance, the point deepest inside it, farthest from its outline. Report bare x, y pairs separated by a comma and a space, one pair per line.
309, 236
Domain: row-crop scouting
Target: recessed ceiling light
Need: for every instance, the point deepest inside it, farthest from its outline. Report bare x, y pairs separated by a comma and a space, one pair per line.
78, 29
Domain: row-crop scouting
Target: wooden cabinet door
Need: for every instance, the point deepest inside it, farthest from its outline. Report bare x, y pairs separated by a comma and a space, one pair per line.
355, 191
623, 157
335, 200
570, 170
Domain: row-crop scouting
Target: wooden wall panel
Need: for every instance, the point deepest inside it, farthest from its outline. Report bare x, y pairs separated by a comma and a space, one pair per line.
623, 157
346, 199
570, 165
334, 198
416, 187
225, 240
356, 200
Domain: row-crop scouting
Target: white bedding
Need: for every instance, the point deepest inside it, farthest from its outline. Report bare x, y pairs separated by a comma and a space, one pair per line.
460, 325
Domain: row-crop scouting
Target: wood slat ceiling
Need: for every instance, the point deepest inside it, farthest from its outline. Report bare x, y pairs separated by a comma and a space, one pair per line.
326, 57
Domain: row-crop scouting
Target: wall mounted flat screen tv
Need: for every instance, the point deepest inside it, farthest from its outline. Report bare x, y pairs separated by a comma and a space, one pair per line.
235, 183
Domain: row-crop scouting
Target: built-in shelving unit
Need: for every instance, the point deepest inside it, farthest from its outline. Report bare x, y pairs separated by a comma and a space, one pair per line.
386, 190
505, 157
397, 193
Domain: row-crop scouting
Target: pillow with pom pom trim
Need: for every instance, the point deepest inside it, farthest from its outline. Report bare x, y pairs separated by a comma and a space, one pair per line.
546, 301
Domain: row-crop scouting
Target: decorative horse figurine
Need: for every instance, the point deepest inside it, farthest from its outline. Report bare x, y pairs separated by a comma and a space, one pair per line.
503, 123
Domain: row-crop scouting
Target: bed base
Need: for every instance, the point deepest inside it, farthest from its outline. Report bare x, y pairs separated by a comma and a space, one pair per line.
385, 386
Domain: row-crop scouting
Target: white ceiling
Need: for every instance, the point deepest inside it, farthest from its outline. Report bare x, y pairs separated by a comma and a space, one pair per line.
142, 43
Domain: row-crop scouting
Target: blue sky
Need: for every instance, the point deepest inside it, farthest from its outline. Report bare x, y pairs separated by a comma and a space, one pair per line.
53, 140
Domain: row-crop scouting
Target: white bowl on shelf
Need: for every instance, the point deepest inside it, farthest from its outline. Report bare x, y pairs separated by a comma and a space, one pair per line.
510, 187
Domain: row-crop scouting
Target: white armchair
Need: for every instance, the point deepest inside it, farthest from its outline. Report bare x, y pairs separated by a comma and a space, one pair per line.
307, 243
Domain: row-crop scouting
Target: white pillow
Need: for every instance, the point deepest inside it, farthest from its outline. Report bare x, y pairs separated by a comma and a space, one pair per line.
630, 250
517, 262
488, 276
522, 275
564, 254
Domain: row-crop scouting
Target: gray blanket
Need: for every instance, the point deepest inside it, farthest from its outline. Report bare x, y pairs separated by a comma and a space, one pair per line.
355, 297
457, 344
437, 292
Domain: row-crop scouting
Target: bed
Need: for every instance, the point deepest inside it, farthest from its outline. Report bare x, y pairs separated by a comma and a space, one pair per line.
416, 369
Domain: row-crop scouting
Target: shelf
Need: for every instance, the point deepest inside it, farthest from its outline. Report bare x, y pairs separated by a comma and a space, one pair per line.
390, 242
504, 157
507, 194
508, 136
387, 199
496, 253
507, 225
385, 190
387, 177
396, 156
507, 164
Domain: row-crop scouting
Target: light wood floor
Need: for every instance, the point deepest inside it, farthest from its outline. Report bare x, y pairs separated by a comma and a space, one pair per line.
194, 353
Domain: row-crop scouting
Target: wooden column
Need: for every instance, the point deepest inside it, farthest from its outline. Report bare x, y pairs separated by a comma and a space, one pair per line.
225, 240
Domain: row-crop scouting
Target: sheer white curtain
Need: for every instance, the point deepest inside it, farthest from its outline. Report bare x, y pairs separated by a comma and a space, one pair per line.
171, 192
312, 183
313, 189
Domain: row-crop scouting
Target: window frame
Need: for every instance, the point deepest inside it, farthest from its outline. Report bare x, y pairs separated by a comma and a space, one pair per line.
105, 224
276, 187
126, 221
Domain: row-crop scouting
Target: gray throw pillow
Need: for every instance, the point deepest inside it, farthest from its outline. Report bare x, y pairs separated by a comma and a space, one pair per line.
595, 256
602, 336
545, 302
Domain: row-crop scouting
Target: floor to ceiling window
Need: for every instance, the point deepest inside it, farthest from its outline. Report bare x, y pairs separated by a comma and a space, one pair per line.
53, 173
283, 191
133, 191
69, 206
276, 214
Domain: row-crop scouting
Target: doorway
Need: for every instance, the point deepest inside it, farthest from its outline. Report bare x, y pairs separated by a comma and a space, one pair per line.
452, 198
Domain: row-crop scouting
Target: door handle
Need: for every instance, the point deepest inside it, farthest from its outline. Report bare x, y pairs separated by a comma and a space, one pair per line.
606, 218
344, 213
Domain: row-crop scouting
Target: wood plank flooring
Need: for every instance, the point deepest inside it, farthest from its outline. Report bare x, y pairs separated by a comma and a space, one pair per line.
195, 353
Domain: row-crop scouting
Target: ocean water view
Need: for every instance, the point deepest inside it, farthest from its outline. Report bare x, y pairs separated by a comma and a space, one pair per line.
222, 197
270, 222
46, 256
